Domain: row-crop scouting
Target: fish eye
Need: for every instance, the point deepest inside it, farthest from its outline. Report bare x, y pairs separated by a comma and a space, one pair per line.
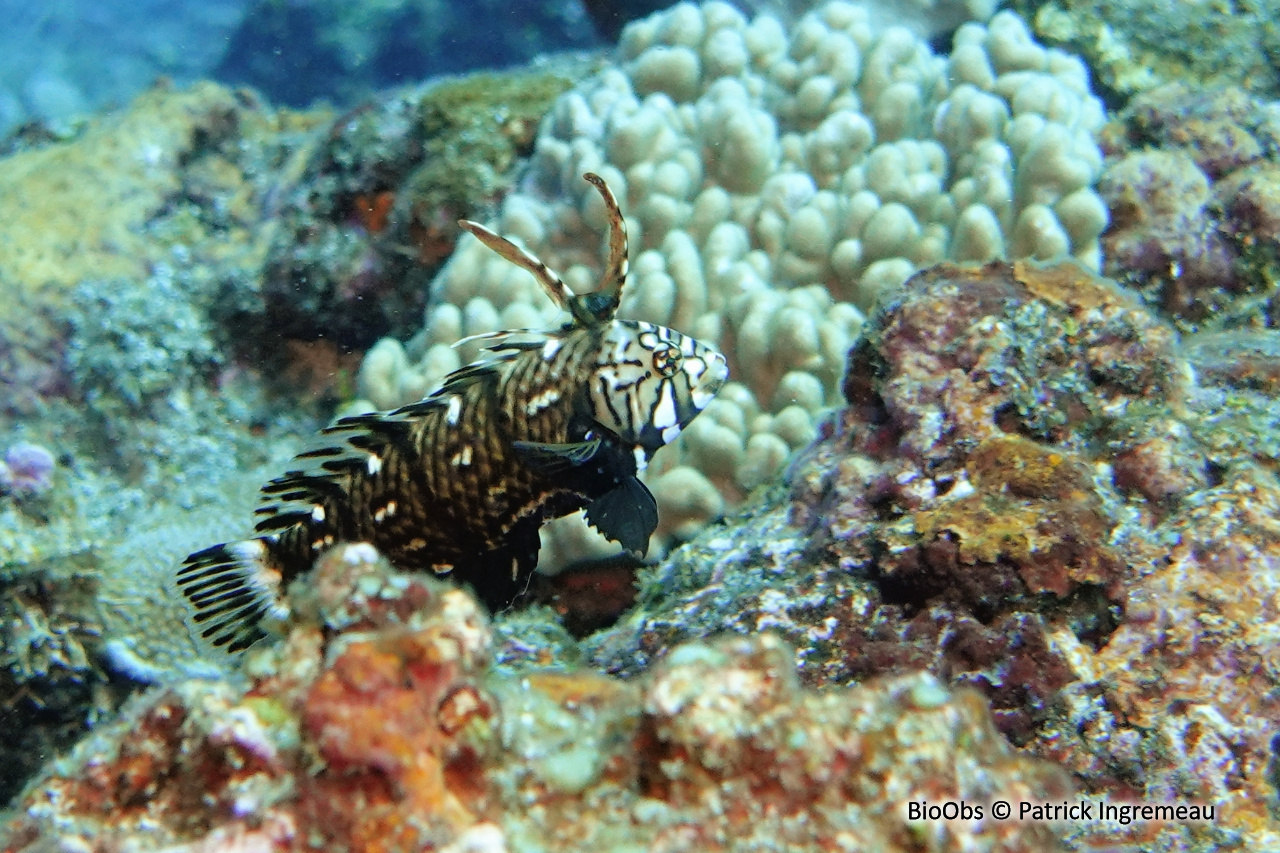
666, 360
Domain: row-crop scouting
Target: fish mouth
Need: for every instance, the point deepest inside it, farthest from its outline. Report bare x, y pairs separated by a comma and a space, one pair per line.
711, 380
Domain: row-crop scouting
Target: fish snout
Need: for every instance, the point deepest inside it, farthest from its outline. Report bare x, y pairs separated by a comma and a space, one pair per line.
706, 386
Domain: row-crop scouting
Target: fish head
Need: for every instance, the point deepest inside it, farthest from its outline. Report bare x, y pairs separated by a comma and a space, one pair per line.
649, 382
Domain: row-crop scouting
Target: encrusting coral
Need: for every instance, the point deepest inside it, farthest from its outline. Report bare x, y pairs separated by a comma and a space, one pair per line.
378, 725
777, 183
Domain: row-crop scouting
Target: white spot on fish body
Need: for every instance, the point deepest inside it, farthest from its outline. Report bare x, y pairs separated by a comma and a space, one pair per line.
541, 401
550, 348
250, 550
317, 514
642, 461
462, 457
374, 464
455, 409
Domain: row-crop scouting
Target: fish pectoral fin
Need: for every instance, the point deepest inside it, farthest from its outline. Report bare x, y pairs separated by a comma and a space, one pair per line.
627, 514
556, 458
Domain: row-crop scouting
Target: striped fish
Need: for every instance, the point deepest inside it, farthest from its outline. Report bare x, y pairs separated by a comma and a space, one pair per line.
544, 425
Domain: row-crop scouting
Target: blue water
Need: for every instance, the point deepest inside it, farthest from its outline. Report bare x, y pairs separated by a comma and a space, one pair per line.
60, 60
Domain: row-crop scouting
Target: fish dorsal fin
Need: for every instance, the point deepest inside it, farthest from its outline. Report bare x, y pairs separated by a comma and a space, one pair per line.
317, 473
506, 338
626, 514
589, 309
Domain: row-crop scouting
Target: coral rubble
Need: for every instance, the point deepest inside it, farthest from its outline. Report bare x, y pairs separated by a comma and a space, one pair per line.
387, 731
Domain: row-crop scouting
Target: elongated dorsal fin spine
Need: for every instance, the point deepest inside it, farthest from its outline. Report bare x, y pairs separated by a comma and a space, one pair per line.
555, 287
589, 309
609, 294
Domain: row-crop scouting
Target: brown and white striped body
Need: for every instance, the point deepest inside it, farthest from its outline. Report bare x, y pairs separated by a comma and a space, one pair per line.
460, 482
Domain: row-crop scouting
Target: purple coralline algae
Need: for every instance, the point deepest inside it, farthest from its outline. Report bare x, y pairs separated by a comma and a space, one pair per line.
1192, 183
27, 470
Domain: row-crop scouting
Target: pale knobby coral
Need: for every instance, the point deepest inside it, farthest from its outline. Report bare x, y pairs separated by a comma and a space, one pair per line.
776, 184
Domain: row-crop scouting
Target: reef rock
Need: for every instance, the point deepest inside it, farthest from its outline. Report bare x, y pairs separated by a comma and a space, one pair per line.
1032, 492
377, 725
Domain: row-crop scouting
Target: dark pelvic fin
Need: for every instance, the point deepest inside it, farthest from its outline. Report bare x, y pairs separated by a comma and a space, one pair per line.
500, 576
627, 514
233, 589
551, 459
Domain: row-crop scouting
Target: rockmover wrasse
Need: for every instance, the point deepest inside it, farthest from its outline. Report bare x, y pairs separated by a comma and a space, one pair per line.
459, 483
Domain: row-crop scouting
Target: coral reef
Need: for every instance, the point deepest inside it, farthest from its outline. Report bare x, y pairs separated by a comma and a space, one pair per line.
50, 634
78, 209
137, 278
118, 243
1039, 530
777, 184
1028, 493
930, 19
377, 725
52, 686
1192, 182
1133, 46
88, 606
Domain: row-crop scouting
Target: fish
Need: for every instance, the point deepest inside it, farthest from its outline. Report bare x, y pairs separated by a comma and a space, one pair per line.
542, 425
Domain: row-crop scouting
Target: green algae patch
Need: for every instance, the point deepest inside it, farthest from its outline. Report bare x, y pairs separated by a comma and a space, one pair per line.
474, 129
76, 209
1136, 45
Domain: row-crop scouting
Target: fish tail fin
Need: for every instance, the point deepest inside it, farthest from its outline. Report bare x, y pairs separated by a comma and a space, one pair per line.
235, 590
